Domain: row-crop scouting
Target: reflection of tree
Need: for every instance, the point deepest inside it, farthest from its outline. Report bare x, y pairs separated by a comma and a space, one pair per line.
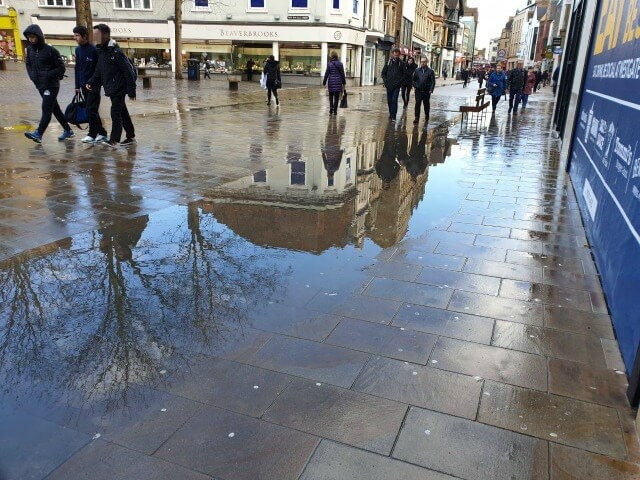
113, 309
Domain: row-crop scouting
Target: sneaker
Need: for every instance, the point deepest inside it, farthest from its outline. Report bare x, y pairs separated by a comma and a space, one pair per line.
127, 142
101, 138
89, 139
108, 143
66, 135
36, 136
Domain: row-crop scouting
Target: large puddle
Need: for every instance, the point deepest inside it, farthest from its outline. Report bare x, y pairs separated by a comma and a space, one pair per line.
92, 321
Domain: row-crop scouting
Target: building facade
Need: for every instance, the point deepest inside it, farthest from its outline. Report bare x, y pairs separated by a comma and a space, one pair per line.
453, 11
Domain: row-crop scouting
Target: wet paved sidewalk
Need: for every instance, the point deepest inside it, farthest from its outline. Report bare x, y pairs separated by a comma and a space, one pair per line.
350, 300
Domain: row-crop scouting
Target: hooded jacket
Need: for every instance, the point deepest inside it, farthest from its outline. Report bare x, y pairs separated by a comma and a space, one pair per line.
44, 63
408, 78
334, 76
272, 71
393, 73
113, 71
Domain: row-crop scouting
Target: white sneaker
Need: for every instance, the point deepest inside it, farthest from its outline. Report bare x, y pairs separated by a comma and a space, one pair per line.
88, 139
100, 138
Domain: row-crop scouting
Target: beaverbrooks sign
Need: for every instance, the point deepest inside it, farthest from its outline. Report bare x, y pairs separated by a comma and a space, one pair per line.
249, 33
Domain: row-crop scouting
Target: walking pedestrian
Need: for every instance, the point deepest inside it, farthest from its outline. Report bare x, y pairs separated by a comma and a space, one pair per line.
335, 78
86, 61
444, 73
464, 74
545, 78
481, 78
393, 75
529, 87
538, 76
274, 79
115, 73
407, 84
207, 68
516, 81
45, 68
555, 77
496, 85
250, 65
424, 81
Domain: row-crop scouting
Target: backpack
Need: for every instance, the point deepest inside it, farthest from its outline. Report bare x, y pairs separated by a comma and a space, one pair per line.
132, 67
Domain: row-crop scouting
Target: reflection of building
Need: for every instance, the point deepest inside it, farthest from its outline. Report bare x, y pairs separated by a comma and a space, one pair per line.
294, 205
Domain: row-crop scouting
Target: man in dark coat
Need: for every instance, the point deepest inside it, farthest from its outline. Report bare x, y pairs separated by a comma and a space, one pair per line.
424, 81
555, 77
274, 80
516, 80
481, 77
86, 61
393, 74
250, 65
116, 75
45, 68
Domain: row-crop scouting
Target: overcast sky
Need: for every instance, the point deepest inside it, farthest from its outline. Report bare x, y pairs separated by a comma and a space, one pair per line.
492, 15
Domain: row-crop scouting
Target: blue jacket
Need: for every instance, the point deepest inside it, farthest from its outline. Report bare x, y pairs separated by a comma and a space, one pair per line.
499, 83
86, 61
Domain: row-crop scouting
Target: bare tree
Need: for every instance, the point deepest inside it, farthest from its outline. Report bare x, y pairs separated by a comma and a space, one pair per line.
83, 16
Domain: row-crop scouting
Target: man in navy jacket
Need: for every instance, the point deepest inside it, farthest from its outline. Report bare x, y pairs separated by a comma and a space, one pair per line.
86, 61
45, 68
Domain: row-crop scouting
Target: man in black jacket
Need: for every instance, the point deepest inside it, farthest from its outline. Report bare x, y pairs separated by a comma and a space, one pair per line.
116, 75
424, 81
516, 80
45, 68
393, 75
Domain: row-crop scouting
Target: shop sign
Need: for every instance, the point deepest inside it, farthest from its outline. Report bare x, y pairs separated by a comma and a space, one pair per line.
298, 17
502, 53
248, 33
557, 50
556, 42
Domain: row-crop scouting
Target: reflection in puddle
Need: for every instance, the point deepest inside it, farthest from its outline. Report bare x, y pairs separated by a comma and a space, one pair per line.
87, 319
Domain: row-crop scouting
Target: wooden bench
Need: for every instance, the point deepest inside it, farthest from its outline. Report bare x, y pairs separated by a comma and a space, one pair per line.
146, 81
234, 80
3, 64
478, 109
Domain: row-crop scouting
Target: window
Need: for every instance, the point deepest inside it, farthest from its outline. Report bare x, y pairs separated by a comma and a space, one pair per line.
200, 6
299, 3
355, 7
257, 4
132, 4
56, 3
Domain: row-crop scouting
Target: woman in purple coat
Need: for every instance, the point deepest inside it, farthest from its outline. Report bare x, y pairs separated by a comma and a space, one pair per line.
336, 79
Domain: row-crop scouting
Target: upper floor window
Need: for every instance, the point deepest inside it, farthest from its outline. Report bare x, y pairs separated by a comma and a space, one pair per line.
56, 3
132, 4
201, 6
300, 4
335, 4
355, 6
257, 4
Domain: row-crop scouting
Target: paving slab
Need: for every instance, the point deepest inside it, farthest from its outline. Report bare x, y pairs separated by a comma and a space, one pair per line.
572, 464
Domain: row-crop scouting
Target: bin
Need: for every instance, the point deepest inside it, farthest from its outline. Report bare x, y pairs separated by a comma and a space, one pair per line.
193, 69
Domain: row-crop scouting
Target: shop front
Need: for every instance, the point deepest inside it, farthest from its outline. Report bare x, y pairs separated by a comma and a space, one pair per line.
10, 41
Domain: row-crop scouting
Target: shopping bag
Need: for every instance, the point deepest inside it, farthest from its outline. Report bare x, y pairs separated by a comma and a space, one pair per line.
343, 100
263, 81
76, 111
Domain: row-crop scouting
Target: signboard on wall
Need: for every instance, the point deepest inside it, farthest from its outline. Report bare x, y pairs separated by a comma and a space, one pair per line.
605, 164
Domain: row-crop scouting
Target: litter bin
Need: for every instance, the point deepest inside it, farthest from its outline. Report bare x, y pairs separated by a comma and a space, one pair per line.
193, 69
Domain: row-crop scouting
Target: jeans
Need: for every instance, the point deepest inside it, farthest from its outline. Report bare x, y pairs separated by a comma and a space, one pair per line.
92, 104
392, 100
406, 94
334, 101
120, 119
517, 96
423, 98
525, 99
50, 106
494, 102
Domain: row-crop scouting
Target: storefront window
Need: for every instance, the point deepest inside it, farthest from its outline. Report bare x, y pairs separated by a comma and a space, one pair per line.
303, 59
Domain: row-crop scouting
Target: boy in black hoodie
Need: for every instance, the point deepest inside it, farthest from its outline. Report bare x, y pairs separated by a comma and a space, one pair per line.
45, 68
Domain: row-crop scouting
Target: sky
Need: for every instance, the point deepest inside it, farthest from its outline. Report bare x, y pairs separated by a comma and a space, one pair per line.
492, 16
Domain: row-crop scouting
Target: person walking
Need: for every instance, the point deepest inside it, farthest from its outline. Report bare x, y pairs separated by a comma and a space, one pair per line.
481, 78
545, 78
274, 79
86, 61
207, 68
496, 85
335, 78
250, 65
516, 81
444, 73
538, 74
393, 75
555, 77
407, 84
424, 81
529, 87
116, 74
464, 74
45, 68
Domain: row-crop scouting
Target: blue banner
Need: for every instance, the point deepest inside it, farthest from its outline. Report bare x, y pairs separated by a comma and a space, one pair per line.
605, 167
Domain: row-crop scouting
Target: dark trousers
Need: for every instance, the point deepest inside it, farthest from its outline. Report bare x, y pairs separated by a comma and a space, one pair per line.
480, 81
271, 89
334, 100
92, 104
423, 98
494, 102
514, 99
120, 119
525, 99
207, 73
50, 106
392, 101
406, 94
249, 75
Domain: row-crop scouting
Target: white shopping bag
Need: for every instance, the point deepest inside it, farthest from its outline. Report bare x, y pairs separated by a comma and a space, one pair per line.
263, 81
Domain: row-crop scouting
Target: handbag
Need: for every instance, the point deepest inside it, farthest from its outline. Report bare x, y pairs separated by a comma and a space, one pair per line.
263, 80
343, 100
76, 111
490, 88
